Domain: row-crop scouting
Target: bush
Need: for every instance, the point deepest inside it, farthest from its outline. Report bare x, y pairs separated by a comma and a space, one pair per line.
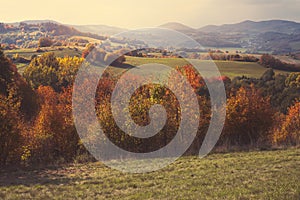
45, 42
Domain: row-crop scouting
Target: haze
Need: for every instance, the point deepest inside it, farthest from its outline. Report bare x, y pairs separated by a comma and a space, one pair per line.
135, 14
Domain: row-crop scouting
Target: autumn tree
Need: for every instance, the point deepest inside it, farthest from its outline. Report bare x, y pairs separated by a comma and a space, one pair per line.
249, 117
10, 130
289, 130
49, 70
53, 135
42, 71
89, 47
68, 68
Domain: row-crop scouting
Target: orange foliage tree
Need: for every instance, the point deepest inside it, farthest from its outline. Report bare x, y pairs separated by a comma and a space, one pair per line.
249, 116
289, 130
10, 131
53, 134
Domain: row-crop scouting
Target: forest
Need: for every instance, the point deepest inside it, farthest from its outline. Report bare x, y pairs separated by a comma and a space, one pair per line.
37, 126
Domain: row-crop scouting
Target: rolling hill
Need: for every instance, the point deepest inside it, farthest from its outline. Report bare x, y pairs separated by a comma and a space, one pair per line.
246, 175
273, 36
99, 29
178, 27
278, 26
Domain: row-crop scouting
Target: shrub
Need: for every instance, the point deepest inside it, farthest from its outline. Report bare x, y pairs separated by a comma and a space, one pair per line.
45, 42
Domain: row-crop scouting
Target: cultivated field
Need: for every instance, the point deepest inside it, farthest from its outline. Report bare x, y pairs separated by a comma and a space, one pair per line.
245, 175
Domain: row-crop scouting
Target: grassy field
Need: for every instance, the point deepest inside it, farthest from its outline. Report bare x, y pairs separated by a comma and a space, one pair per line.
227, 68
245, 175
27, 53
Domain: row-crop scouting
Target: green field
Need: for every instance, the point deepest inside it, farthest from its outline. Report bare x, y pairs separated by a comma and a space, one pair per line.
27, 53
227, 68
244, 175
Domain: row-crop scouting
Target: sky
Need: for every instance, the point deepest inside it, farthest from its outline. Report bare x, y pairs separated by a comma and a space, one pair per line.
141, 13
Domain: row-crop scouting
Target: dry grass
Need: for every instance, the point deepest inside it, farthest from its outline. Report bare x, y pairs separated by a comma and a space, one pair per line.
246, 175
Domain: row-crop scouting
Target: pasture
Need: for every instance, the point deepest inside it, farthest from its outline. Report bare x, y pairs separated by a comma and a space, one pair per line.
243, 175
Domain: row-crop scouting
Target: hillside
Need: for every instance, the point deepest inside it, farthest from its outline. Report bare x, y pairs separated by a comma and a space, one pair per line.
274, 36
26, 34
177, 26
279, 26
37, 22
99, 29
248, 175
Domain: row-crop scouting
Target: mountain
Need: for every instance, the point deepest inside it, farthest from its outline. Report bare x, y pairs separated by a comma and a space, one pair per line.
276, 36
40, 21
177, 27
280, 26
99, 29
31, 22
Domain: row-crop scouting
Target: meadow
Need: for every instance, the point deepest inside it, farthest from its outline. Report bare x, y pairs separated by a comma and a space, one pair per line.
226, 68
244, 175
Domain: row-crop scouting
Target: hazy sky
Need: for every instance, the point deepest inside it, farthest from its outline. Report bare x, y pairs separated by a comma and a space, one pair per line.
141, 13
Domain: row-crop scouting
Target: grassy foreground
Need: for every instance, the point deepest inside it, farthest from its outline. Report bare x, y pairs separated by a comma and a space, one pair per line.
246, 175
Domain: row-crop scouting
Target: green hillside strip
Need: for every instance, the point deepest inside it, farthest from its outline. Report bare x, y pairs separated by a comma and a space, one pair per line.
227, 68
245, 175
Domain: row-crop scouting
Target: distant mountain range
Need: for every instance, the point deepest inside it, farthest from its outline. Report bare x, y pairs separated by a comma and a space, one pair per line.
280, 26
277, 36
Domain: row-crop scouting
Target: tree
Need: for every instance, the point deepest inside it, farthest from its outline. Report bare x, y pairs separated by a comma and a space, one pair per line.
68, 68
53, 135
289, 130
10, 78
268, 75
89, 47
49, 70
42, 71
10, 128
45, 42
274, 63
248, 119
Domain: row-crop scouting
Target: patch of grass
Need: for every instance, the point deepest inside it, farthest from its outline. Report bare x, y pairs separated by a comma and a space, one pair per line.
243, 175
21, 67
